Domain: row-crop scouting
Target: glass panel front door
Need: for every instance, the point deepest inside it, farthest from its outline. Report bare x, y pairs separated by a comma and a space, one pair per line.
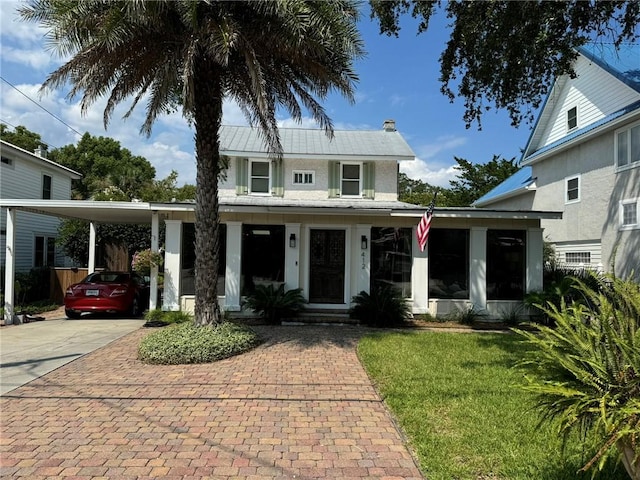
327, 257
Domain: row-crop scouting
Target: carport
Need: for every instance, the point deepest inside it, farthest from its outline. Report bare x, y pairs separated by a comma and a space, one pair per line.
92, 211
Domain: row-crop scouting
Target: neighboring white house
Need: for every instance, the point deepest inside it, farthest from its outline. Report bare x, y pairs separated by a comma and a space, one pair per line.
326, 219
583, 158
32, 176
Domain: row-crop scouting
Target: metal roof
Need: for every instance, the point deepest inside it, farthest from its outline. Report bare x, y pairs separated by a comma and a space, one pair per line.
521, 181
314, 143
140, 212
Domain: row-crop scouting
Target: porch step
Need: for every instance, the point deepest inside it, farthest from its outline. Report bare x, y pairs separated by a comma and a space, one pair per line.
311, 317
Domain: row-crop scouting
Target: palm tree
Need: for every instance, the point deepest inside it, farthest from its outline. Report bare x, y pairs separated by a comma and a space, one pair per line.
263, 54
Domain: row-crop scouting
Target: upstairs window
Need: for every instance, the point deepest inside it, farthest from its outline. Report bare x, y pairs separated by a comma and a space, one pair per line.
7, 161
351, 180
629, 213
572, 118
303, 177
259, 178
628, 146
46, 187
572, 189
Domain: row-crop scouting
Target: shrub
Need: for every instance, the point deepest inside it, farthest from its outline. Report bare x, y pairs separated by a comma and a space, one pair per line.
586, 370
186, 343
274, 304
145, 259
465, 316
383, 307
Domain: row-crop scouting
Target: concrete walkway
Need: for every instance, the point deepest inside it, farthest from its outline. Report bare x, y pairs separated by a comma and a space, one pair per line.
299, 406
31, 350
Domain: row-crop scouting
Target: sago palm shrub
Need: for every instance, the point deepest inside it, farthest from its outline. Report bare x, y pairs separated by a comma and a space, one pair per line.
274, 304
383, 307
585, 371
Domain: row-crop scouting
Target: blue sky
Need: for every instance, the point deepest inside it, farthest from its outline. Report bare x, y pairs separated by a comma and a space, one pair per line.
398, 80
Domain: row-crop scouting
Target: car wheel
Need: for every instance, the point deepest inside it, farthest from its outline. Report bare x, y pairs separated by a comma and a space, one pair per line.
71, 313
135, 307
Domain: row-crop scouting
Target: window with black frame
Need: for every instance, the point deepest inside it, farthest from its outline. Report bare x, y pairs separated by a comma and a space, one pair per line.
188, 257
391, 258
262, 256
448, 263
506, 264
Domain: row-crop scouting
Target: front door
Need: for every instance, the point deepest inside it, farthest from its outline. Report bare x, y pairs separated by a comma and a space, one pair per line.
326, 273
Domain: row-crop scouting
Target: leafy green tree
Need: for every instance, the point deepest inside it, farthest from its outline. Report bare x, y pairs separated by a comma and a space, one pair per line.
263, 54
22, 137
508, 53
105, 165
476, 179
586, 370
166, 190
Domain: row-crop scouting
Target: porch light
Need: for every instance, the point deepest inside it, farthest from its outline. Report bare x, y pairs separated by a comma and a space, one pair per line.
292, 240
363, 242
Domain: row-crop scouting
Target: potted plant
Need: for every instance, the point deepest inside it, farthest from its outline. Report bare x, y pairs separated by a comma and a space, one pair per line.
144, 260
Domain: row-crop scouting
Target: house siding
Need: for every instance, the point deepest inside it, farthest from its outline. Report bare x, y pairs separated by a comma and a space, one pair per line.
386, 187
592, 93
23, 179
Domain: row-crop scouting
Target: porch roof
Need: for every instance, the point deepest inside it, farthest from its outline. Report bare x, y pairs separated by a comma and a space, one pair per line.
141, 212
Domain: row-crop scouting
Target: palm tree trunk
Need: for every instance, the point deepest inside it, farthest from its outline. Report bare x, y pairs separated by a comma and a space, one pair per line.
630, 459
207, 119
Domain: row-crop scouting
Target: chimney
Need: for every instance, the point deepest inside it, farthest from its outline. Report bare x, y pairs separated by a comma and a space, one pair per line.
389, 126
40, 151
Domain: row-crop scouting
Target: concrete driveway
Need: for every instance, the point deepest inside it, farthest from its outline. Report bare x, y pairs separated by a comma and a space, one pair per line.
30, 350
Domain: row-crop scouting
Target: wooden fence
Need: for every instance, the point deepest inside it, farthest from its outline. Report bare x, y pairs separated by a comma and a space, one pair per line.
61, 278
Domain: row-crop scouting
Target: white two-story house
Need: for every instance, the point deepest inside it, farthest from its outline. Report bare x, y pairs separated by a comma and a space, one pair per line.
29, 175
583, 158
326, 219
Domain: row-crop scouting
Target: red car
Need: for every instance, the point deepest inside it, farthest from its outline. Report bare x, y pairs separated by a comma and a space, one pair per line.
107, 292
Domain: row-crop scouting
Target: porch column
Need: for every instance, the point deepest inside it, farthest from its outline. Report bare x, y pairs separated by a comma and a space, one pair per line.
478, 268
292, 256
10, 267
173, 241
363, 259
92, 248
535, 259
153, 293
419, 276
232, 272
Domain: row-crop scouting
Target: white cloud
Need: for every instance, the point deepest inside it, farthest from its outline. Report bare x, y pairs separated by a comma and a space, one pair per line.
420, 170
440, 145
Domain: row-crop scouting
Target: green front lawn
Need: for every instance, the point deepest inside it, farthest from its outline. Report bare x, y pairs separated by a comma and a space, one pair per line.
457, 398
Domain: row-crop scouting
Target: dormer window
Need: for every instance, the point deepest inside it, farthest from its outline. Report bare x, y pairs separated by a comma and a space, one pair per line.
572, 118
259, 178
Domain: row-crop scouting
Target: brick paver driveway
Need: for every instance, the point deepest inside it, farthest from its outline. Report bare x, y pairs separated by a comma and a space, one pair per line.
299, 406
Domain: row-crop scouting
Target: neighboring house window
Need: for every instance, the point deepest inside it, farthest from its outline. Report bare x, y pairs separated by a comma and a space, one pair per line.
45, 251
391, 258
7, 161
448, 263
506, 264
572, 189
572, 118
259, 177
629, 212
351, 179
628, 146
577, 257
303, 177
46, 187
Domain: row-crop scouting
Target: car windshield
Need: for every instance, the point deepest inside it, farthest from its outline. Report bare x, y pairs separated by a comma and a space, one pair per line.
107, 277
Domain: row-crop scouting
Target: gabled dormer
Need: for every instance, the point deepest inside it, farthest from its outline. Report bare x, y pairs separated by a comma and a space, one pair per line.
354, 164
605, 89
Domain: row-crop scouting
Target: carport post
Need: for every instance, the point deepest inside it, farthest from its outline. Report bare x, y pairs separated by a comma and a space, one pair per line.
92, 247
155, 230
10, 266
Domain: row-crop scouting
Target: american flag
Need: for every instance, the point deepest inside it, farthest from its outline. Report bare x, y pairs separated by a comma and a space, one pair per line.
422, 232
